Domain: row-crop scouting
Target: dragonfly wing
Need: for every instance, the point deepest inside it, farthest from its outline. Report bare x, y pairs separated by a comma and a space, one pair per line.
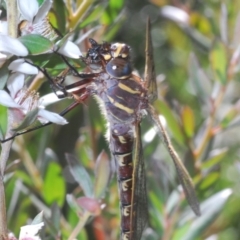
149, 75
139, 215
183, 174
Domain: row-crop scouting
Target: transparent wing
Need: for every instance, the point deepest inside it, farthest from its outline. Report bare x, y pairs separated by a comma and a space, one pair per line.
149, 75
139, 214
183, 175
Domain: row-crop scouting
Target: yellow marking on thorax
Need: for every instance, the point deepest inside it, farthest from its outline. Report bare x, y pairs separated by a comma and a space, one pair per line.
118, 50
107, 56
118, 105
121, 159
125, 186
128, 89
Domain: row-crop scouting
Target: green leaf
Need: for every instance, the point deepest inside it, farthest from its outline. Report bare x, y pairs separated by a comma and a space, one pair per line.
209, 180
80, 175
210, 210
54, 185
156, 213
36, 44
40, 2
4, 73
95, 14
60, 14
72, 202
198, 79
3, 119
24, 177
112, 11
231, 118
116, 4
173, 201
38, 219
216, 156
188, 121
102, 173
29, 119
218, 60
180, 232
56, 216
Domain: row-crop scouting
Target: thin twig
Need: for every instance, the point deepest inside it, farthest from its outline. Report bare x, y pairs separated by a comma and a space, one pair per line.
80, 225
12, 18
79, 13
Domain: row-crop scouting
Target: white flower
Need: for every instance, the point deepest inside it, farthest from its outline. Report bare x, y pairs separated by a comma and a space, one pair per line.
9, 46
36, 22
70, 49
3, 27
22, 102
31, 12
35, 18
20, 65
49, 99
175, 14
29, 232
12, 46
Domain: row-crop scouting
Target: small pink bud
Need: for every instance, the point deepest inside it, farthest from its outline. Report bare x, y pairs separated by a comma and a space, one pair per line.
90, 204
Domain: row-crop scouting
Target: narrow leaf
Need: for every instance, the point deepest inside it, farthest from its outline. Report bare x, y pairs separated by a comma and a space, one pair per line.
216, 156
56, 216
102, 173
223, 23
54, 185
209, 180
80, 175
218, 59
198, 79
38, 219
29, 119
4, 73
173, 201
188, 121
211, 208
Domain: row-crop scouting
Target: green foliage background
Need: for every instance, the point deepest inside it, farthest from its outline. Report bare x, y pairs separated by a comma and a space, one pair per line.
198, 85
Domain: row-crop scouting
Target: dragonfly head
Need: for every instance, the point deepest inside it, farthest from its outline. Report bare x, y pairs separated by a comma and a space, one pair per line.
120, 50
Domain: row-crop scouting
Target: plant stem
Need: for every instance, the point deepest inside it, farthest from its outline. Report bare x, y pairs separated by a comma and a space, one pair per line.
208, 132
3, 217
79, 226
12, 17
234, 60
6, 147
79, 13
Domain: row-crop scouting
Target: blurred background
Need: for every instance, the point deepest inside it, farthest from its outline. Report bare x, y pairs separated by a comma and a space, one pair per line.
196, 55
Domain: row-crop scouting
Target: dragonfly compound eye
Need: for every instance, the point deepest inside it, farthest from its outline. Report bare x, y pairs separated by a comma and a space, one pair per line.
119, 68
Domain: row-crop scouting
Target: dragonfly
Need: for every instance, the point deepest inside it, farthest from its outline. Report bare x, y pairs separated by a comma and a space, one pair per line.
125, 98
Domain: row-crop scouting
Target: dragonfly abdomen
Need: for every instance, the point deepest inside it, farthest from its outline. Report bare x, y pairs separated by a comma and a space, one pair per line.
122, 146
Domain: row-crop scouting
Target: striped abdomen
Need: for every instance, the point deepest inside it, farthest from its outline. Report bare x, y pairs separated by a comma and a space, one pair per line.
121, 143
